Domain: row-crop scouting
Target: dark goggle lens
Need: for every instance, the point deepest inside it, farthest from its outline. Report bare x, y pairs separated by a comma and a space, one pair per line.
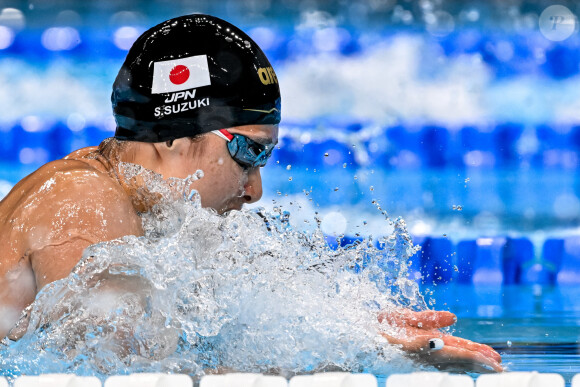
249, 153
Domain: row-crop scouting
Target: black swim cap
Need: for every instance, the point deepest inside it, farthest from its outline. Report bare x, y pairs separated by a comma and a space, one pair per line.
191, 75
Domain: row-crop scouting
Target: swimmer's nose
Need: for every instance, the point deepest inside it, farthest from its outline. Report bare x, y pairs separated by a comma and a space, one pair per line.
253, 187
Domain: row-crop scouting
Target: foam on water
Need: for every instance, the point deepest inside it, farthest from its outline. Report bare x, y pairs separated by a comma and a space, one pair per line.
245, 291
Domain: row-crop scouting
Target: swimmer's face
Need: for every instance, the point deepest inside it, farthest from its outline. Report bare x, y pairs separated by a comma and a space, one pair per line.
226, 185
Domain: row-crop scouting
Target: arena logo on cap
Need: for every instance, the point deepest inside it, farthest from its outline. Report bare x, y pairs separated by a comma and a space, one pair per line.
180, 74
267, 75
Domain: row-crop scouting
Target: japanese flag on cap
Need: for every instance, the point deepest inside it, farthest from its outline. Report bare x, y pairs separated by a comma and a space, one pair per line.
180, 74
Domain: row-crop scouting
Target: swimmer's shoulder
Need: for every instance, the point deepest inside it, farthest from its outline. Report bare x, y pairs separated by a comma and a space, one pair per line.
84, 160
57, 178
75, 179
80, 168
82, 154
64, 200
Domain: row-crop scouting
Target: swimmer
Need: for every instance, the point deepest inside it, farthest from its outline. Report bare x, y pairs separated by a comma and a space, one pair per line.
194, 93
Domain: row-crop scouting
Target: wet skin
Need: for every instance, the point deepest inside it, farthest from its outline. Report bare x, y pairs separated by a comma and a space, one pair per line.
457, 355
52, 215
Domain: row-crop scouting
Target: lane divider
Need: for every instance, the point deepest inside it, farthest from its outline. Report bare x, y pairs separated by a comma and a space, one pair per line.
326, 379
243, 380
431, 379
334, 379
54, 380
520, 379
148, 380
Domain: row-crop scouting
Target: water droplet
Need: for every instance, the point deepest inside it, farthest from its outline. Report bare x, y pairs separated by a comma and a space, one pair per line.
509, 343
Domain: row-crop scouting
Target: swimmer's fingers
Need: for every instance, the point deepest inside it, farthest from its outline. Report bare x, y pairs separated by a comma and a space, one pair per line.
455, 354
457, 359
458, 342
415, 341
428, 319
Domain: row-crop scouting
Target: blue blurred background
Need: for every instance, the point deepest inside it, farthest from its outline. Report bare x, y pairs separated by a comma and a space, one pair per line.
463, 117
460, 116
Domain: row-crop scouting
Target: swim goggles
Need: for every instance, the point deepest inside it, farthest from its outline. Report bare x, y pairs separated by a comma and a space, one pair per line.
245, 151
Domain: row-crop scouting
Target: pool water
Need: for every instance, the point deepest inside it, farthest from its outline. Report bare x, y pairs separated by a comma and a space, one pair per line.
533, 328
256, 295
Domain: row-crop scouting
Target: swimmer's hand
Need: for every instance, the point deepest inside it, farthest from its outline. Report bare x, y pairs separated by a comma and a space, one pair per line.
413, 331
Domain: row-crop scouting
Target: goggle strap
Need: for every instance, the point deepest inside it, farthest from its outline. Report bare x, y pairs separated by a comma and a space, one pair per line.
223, 133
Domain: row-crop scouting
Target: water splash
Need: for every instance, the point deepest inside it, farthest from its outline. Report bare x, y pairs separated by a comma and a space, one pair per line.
202, 291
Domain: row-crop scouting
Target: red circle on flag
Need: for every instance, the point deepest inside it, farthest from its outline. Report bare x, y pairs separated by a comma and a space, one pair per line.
179, 74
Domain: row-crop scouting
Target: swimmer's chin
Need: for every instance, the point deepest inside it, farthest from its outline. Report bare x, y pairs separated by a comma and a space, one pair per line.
229, 209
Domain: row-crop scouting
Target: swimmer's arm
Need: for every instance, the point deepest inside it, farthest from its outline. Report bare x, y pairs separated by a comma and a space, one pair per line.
74, 217
51, 263
17, 291
85, 210
55, 261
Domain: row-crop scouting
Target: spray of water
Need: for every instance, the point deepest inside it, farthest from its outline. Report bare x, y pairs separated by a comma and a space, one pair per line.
201, 291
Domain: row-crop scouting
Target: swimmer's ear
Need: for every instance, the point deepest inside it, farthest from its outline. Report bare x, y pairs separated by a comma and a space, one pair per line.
172, 148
